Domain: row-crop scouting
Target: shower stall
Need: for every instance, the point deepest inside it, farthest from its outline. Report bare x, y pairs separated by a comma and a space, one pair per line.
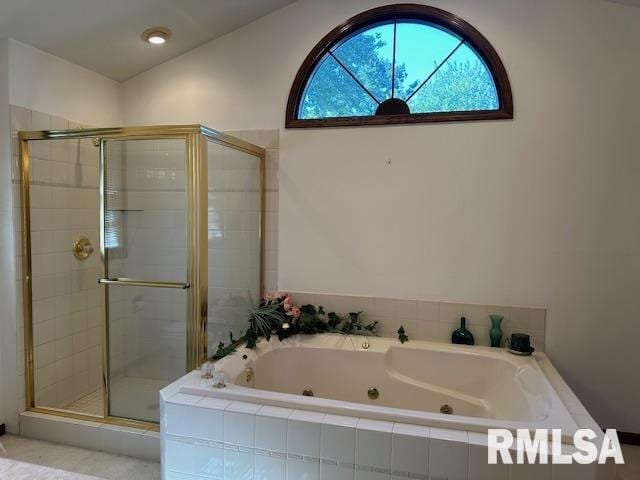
142, 250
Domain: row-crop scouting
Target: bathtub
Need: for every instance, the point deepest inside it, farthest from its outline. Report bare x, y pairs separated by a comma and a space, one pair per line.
477, 387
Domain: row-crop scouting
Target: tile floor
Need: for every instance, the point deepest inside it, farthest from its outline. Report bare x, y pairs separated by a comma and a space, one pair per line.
78, 460
107, 466
631, 469
91, 404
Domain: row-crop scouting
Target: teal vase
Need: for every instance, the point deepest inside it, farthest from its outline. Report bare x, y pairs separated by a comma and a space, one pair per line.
462, 336
495, 333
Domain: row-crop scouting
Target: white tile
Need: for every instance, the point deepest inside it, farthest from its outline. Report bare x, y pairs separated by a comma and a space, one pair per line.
208, 461
338, 443
300, 470
243, 407
530, 472
64, 431
131, 442
412, 430
372, 475
270, 468
336, 472
271, 433
180, 419
214, 403
89, 435
407, 309
340, 421
373, 444
480, 469
427, 330
428, 311
184, 399
519, 318
448, 459
475, 315
576, 471
238, 465
303, 437
450, 313
277, 412
171, 475
179, 456
384, 308
110, 439
305, 416
449, 435
208, 423
375, 425
239, 428
409, 452
151, 446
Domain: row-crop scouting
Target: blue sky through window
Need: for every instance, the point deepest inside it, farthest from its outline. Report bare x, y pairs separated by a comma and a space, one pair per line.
355, 76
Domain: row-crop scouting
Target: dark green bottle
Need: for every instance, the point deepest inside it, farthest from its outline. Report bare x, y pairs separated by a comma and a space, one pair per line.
462, 335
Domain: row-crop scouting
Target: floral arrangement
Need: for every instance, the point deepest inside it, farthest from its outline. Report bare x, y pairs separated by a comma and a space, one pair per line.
278, 315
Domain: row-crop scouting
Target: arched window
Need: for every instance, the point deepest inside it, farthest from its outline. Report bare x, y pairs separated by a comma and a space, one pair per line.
400, 63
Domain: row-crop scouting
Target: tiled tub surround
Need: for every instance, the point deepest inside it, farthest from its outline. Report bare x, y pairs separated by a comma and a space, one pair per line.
215, 438
66, 296
433, 321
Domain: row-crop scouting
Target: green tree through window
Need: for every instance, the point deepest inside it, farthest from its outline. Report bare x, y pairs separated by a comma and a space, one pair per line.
435, 71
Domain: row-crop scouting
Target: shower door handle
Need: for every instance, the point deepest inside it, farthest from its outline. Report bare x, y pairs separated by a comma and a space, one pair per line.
143, 283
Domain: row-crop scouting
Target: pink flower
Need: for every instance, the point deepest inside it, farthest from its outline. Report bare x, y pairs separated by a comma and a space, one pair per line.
271, 298
295, 312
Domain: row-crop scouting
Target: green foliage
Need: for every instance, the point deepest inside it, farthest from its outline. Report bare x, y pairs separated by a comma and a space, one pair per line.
224, 350
402, 335
264, 319
352, 325
456, 87
311, 321
331, 92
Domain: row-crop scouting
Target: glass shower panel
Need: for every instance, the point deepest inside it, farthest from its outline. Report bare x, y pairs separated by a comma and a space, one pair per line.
234, 241
66, 299
145, 252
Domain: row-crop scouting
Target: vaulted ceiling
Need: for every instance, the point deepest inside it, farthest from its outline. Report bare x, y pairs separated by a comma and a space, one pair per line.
105, 35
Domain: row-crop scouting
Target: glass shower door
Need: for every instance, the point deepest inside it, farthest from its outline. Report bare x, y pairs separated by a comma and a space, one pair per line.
145, 255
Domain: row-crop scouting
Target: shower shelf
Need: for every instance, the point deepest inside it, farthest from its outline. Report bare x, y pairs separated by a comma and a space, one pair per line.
125, 210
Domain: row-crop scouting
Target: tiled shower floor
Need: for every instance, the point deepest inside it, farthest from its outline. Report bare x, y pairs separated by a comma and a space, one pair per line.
136, 398
91, 404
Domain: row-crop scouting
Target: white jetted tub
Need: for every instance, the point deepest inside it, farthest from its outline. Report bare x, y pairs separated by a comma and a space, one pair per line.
482, 387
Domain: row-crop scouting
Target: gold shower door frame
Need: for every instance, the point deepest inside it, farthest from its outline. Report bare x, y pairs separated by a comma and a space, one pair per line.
196, 138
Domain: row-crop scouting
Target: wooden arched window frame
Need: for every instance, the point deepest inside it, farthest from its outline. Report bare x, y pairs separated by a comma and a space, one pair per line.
394, 112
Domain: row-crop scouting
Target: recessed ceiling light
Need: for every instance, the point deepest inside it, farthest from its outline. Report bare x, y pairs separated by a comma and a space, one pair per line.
156, 35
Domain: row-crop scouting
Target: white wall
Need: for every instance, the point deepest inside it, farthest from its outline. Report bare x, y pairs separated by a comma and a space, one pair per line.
541, 210
39, 81
7, 293
46, 83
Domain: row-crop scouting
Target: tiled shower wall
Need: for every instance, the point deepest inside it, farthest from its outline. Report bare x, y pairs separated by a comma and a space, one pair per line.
233, 236
66, 296
233, 240
269, 140
146, 203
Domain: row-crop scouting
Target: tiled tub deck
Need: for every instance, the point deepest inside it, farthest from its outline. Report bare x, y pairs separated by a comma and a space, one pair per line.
213, 438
